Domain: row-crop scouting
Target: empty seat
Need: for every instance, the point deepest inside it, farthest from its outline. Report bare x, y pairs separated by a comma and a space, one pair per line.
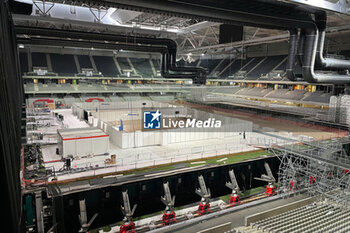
106, 66
265, 67
63, 64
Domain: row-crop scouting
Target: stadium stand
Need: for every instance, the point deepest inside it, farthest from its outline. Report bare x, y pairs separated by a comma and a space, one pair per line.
123, 63
209, 64
318, 96
29, 87
165, 98
142, 67
265, 67
39, 60
63, 64
253, 64
93, 98
221, 65
23, 60
256, 92
84, 61
69, 100
255, 68
294, 95
115, 98
278, 94
106, 65
234, 68
248, 69
316, 217
156, 64
135, 97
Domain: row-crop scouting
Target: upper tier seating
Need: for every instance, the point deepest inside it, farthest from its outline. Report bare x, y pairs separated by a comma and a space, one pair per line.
234, 68
265, 67
39, 60
142, 67
84, 61
106, 66
63, 64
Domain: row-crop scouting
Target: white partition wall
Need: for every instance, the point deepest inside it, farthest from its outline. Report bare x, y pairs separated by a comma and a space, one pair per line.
109, 114
82, 142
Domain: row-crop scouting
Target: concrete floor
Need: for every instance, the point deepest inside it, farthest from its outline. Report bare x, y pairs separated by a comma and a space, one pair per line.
69, 120
133, 158
275, 125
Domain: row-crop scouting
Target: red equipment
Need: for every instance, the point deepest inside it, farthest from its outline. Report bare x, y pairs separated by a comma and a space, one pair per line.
291, 185
312, 180
168, 218
270, 190
234, 199
203, 208
127, 228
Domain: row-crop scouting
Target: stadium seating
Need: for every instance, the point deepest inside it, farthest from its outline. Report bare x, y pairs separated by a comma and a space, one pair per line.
316, 217
165, 98
318, 96
271, 68
254, 92
234, 68
209, 64
142, 67
278, 94
106, 66
39, 60
115, 98
23, 61
84, 61
123, 63
63, 64
266, 66
69, 100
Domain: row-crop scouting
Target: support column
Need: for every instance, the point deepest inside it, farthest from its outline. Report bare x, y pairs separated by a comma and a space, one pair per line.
117, 65
39, 212
30, 61
93, 63
131, 65
76, 61
153, 69
48, 62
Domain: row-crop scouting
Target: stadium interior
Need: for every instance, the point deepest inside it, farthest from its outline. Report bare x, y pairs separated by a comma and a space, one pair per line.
112, 108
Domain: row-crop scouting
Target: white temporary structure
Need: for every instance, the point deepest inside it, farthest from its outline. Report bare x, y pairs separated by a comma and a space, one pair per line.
80, 142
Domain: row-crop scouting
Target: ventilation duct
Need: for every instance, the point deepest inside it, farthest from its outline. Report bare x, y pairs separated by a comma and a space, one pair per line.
300, 54
197, 74
327, 63
311, 44
293, 45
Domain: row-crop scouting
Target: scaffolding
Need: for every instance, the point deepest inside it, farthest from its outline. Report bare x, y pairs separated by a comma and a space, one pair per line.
319, 167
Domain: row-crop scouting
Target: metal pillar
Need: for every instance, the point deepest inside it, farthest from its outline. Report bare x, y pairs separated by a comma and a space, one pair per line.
204, 192
128, 225
233, 185
48, 62
169, 213
39, 212
85, 225
270, 188
77, 64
